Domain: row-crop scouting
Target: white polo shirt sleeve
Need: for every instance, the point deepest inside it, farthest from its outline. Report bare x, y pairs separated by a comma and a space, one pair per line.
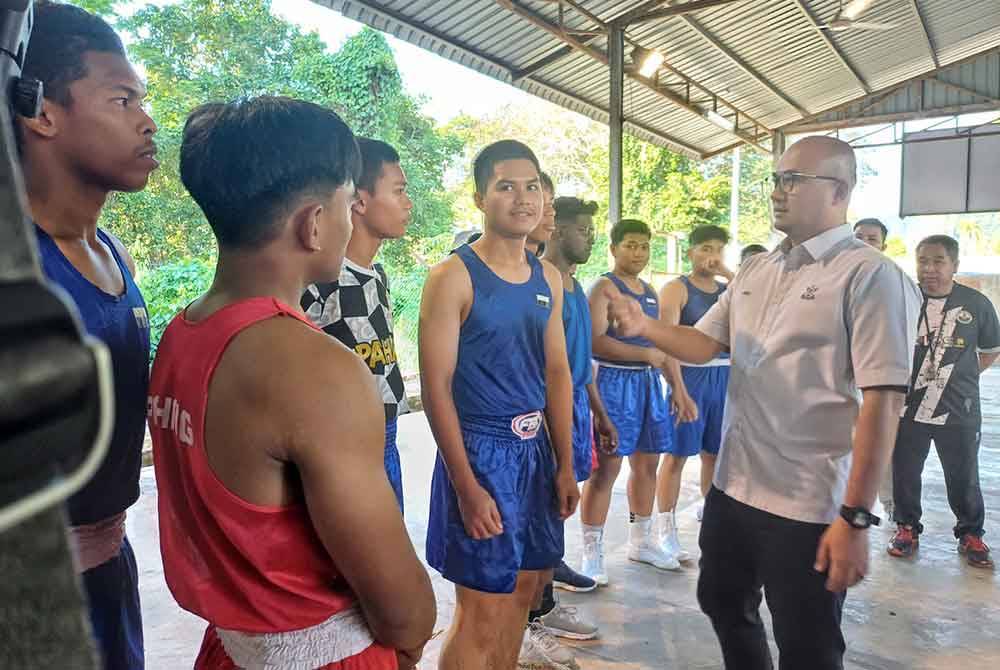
715, 322
882, 312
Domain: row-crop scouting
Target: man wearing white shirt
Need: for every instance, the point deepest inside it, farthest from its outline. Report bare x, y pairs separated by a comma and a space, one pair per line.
807, 325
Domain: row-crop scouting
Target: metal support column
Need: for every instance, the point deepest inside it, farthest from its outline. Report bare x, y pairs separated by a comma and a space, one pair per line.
734, 210
616, 57
777, 145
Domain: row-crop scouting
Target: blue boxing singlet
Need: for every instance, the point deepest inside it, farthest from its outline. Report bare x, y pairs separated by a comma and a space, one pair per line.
698, 303
650, 306
501, 345
579, 341
121, 322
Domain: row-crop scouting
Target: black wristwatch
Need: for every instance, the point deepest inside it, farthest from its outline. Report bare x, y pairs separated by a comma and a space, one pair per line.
859, 517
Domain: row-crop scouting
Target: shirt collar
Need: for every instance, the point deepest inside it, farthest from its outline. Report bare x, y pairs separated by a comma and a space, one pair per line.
818, 245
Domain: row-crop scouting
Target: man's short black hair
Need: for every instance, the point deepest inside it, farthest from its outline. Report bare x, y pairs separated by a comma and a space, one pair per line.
873, 222
504, 150
703, 234
752, 249
547, 182
374, 155
246, 162
949, 243
626, 226
568, 208
59, 38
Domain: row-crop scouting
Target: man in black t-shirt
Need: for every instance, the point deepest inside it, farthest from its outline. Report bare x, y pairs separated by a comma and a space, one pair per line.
958, 336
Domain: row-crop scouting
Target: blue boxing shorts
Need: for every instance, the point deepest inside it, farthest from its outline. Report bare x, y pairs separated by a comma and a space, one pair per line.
636, 401
513, 460
583, 435
393, 469
113, 597
707, 387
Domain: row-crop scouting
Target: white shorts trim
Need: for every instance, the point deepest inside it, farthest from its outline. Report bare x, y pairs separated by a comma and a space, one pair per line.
343, 635
714, 363
603, 364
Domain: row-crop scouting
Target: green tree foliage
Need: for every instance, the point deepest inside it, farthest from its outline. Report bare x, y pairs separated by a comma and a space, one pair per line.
99, 7
895, 247
668, 191
369, 93
197, 51
755, 193
563, 142
170, 288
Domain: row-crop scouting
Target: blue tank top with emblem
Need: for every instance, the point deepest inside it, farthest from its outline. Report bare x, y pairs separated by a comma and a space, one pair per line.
650, 306
579, 341
501, 344
698, 303
121, 322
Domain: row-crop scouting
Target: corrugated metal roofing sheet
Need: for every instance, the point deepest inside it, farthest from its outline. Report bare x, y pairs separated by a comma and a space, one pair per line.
764, 57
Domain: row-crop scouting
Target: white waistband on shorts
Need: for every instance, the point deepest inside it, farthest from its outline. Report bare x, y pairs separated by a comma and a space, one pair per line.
343, 635
623, 366
714, 363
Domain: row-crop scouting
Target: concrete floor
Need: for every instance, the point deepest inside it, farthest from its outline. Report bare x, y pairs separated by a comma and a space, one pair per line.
932, 613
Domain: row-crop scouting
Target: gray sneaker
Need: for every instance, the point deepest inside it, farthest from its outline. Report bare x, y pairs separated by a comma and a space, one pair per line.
541, 651
564, 622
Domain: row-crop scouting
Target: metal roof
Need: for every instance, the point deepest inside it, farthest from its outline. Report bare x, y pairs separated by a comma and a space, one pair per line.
761, 64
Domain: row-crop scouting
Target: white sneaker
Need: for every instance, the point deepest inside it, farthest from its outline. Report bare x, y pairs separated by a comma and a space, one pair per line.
647, 552
642, 548
541, 651
593, 558
668, 540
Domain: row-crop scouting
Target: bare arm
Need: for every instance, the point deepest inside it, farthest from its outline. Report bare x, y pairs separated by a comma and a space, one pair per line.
986, 360
843, 550
337, 444
559, 396
607, 432
447, 294
882, 306
874, 437
608, 347
683, 342
673, 297
597, 403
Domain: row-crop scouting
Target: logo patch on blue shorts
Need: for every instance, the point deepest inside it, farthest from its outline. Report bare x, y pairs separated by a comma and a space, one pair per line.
526, 426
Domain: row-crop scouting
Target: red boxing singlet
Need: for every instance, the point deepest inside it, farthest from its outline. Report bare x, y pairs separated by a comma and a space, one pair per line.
255, 573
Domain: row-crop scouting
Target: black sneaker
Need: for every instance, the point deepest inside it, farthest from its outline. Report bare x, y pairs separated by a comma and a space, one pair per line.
569, 579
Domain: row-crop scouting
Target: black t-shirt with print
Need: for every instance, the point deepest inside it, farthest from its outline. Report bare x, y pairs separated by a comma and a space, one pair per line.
951, 332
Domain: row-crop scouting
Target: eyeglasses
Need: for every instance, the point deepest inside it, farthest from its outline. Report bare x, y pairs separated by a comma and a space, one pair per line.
788, 181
